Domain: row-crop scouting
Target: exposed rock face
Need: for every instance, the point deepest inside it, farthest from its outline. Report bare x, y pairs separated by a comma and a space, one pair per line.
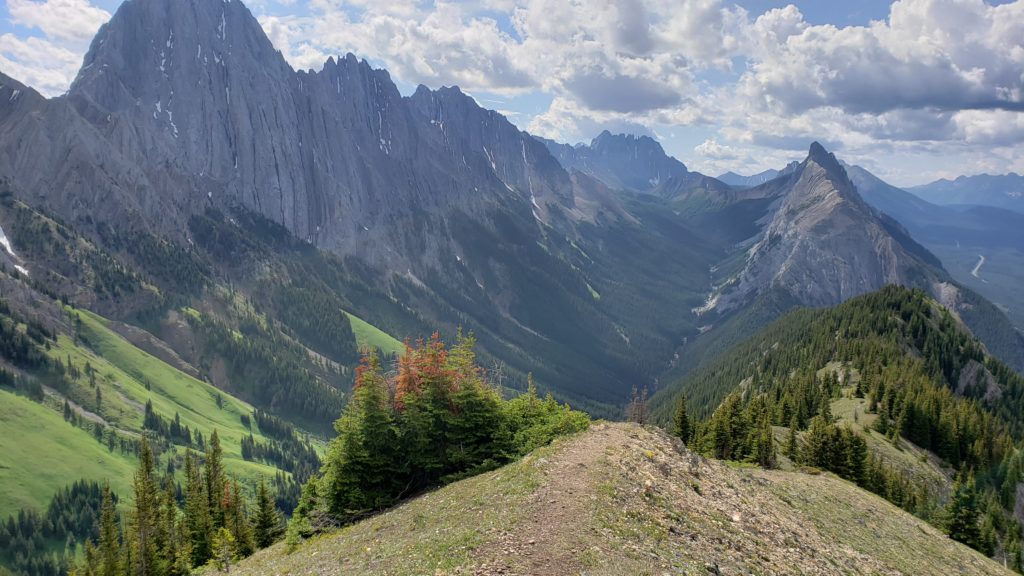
823, 244
622, 161
184, 105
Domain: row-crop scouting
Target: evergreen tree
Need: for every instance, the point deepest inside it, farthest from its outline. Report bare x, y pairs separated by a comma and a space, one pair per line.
266, 522
764, 445
362, 463
792, 449
197, 512
109, 548
681, 421
237, 518
816, 444
143, 526
962, 511
215, 481
223, 549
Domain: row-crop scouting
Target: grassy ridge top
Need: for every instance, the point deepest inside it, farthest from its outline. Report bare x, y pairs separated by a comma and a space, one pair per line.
620, 499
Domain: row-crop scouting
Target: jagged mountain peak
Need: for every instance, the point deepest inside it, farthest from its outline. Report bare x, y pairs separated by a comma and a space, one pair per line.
827, 160
824, 244
151, 46
624, 161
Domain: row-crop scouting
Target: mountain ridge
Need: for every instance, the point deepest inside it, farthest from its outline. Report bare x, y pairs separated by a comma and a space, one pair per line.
627, 499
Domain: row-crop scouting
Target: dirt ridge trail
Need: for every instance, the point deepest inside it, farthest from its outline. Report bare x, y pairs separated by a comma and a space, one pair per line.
554, 533
620, 499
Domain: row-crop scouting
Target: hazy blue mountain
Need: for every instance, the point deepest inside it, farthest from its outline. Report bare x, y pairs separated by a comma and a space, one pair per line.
623, 161
1002, 191
980, 246
734, 179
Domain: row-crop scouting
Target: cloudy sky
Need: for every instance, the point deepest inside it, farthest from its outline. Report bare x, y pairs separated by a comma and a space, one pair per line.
913, 90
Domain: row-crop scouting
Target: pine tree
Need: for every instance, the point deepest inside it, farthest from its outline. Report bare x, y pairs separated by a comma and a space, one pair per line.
109, 548
681, 421
363, 461
266, 522
197, 512
176, 553
816, 444
215, 480
764, 444
237, 518
962, 511
792, 448
223, 549
143, 523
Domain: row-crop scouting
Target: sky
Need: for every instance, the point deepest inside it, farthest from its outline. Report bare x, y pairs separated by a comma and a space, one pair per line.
912, 90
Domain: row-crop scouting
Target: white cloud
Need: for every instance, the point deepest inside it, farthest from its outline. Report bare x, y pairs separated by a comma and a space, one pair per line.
49, 63
950, 55
38, 63
67, 21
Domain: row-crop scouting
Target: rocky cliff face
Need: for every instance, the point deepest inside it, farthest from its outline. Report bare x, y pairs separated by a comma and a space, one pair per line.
623, 161
180, 106
824, 244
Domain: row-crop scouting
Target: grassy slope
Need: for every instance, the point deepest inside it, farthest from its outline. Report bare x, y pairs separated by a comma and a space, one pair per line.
122, 375
42, 453
619, 499
369, 335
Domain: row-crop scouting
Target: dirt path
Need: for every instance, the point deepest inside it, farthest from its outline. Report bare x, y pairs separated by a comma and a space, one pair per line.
555, 529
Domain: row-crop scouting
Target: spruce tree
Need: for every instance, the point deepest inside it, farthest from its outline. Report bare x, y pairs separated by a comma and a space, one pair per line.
792, 448
143, 526
266, 522
362, 465
764, 444
681, 421
962, 511
237, 518
109, 547
197, 512
223, 549
215, 480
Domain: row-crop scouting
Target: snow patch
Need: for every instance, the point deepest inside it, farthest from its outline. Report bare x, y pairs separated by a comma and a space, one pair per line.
6, 243
220, 29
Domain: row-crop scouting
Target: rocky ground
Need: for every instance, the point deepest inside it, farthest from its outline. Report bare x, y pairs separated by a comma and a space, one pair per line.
620, 499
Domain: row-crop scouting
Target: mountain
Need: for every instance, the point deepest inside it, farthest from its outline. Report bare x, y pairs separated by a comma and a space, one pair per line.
186, 126
734, 179
819, 243
978, 245
1001, 191
625, 499
823, 244
621, 161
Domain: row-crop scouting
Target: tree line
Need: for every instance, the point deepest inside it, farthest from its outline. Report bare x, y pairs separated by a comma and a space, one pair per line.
169, 529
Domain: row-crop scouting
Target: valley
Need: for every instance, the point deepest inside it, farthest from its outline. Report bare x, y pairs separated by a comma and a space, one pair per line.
271, 318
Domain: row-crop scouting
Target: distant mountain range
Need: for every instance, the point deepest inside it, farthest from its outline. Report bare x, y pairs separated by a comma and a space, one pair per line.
734, 179
1003, 191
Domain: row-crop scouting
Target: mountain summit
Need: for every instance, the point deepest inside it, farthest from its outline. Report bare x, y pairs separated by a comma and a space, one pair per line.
622, 161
